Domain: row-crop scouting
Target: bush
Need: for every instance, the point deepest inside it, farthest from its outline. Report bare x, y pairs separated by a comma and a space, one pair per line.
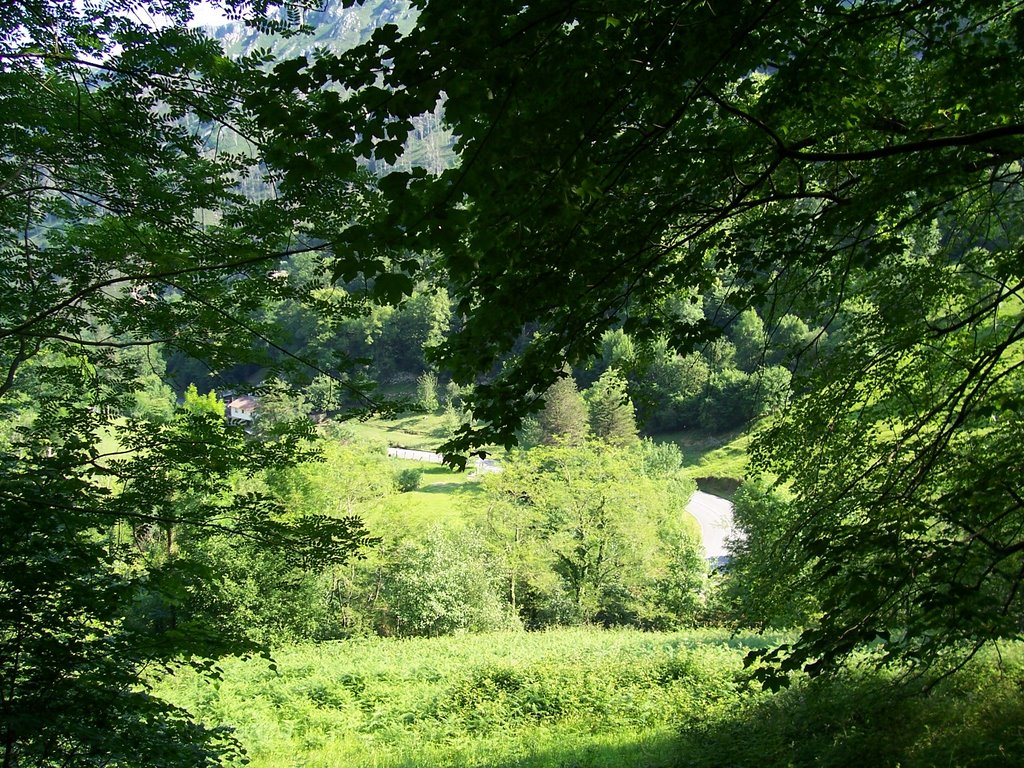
441, 585
426, 392
408, 479
869, 717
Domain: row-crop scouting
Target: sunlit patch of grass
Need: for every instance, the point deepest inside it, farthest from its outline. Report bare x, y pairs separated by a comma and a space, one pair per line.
729, 460
585, 697
443, 496
597, 698
717, 462
422, 432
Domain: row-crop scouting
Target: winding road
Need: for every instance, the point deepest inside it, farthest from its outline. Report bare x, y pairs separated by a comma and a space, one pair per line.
715, 517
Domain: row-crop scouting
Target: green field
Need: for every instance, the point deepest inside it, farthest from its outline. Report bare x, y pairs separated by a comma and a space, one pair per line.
579, 696
421, 432
717, 462
590, 697
444, 496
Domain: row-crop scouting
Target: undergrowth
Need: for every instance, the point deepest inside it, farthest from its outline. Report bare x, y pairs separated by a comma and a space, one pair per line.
865, 717
587, 697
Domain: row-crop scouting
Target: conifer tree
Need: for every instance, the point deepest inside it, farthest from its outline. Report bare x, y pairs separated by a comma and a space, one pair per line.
564, 417
612, 417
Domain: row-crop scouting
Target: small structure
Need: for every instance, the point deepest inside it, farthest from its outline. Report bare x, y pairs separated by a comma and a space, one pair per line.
411, 455
241, 409
486, 467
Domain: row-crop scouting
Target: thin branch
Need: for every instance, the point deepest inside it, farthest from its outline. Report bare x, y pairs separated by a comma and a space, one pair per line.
103, 344
924, 145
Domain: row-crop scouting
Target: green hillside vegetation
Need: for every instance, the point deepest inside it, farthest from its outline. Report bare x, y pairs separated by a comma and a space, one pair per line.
442, 495
563, 535
538, 699
421, 432
717, 463
599, 256
602, 699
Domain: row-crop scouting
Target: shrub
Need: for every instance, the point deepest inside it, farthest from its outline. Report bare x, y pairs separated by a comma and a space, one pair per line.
408, 479
440, 586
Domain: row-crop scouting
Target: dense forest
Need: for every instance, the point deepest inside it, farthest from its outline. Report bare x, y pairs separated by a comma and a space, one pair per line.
592, 253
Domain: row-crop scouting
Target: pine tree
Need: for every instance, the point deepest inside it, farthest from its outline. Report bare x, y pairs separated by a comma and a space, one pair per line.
564, 418
611, 411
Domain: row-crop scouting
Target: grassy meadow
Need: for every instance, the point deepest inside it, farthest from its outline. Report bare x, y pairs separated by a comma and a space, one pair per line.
443, 496
586, 697
566, 697
421, 432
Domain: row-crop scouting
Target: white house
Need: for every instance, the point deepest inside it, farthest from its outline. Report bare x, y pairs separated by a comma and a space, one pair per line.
241, 409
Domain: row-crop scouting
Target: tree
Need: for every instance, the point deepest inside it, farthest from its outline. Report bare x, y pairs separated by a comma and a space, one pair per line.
730, 401
426, 392
767, 584
611, 411
124, 153
513, 527
617, 350
772, 388
94, 573
605, 523
335, 482
788, 340
564, 417
411, 331
621, 156
441, 586
670, 390
910, 480
747, 333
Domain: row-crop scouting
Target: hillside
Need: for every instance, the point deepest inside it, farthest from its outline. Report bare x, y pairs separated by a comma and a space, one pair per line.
770, 251
338, 28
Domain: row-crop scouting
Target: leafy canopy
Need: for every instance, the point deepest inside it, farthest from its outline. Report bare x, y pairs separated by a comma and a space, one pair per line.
614, 157
126, 150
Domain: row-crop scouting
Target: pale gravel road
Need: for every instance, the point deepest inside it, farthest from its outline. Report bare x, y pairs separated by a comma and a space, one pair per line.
715, 517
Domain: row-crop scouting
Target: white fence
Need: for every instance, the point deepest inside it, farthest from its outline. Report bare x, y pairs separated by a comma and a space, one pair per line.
480, 466
405, 453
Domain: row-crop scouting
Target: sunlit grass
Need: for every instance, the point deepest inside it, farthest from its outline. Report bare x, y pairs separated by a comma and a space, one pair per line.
729, 460
597, 698
421, 432
567, 697
717, 462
